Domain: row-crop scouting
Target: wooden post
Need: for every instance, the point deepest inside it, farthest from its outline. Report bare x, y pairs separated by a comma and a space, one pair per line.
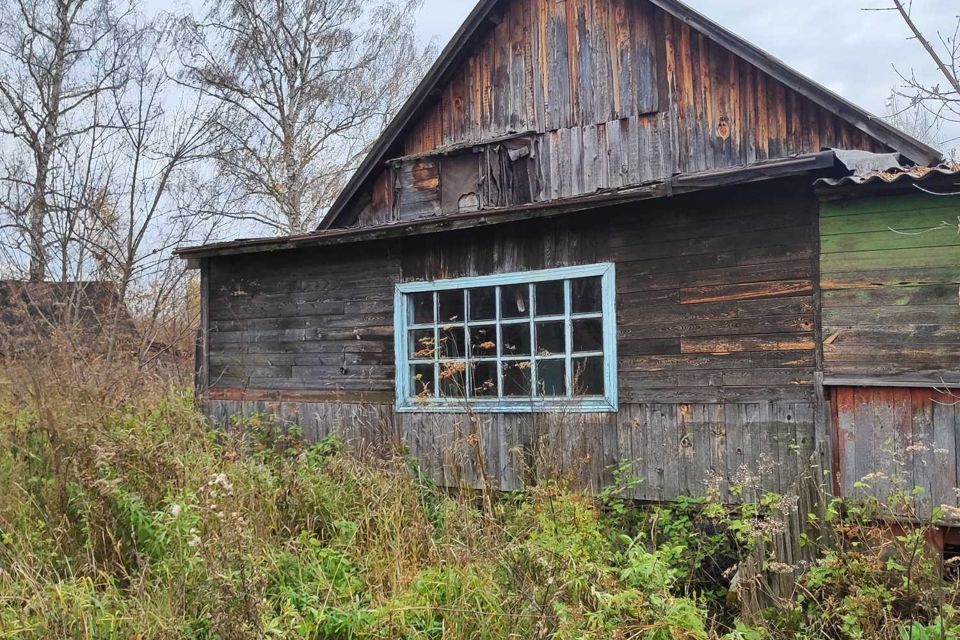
823, 429
202, 366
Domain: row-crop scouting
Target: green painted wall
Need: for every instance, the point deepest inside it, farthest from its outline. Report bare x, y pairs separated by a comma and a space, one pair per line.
890, 282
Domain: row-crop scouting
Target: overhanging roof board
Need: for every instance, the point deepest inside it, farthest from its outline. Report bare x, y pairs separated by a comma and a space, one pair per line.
485, 12
765, 170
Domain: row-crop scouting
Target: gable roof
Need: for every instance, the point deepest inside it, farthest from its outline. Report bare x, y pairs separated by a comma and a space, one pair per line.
486, 13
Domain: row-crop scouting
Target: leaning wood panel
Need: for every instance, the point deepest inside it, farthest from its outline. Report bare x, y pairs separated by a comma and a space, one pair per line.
896, 443
769, 576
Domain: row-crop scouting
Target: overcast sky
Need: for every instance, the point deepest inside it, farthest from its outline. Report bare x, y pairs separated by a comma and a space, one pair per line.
835, 42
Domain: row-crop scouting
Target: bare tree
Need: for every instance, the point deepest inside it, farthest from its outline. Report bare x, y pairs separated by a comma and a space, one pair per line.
56, 58
910, 117
306, 85
107, 173
940, 99
150, 178
161, 136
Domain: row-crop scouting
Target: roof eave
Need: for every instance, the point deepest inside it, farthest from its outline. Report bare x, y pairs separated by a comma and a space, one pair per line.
812, 163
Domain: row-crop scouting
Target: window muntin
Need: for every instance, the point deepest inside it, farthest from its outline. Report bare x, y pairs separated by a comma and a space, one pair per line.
516, 342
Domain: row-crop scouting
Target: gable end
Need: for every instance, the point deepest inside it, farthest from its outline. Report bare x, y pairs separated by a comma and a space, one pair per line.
551, 100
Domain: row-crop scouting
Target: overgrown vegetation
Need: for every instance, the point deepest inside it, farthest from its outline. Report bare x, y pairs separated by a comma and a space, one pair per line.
134, 520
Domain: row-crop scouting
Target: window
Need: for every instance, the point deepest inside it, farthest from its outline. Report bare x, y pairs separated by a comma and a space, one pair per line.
534, 341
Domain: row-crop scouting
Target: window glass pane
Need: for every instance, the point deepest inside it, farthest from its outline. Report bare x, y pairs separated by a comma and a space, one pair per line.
420, 344
551, 338
483, 341
423, 382
516, 339
451, 306
551, 378
452, 342
517, 379
421, 308
514, 301
588, 335
586, 295
484, 379
536, 340
453, 379
588, 376
483, 304
549, 298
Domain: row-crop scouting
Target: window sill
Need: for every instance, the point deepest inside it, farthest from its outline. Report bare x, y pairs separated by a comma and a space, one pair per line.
523, 406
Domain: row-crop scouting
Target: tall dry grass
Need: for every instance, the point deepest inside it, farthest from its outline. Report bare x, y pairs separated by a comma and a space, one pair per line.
124, 515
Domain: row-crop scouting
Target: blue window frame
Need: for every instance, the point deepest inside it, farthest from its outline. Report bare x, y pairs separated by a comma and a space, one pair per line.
529, 341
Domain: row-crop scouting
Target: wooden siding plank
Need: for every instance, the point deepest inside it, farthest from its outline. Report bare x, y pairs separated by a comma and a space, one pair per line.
890, 299
895, 439
845, 402
945, 441
923, 458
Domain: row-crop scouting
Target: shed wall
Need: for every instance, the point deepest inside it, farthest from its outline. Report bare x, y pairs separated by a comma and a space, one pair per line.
715, 304
890, 274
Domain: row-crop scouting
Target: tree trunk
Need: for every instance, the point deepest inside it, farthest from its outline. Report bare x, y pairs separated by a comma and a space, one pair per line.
38, 216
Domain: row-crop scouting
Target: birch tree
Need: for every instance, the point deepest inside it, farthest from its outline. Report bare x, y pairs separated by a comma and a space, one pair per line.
57, 57
305, 86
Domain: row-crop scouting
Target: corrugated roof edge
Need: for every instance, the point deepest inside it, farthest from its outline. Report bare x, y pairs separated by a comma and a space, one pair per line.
893, 175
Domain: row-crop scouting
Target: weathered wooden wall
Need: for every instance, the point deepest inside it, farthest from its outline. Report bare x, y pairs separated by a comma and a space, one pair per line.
715, 305
606, 94
890, 274
734, 450
890, 440
319, 324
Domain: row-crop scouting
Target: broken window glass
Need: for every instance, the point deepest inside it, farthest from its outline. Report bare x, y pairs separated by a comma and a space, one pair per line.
588, 376
483, 304
515, 301
421, 307
508, 344
551, 378
549, 297
586, 295
451, 306
517, 381
515, 339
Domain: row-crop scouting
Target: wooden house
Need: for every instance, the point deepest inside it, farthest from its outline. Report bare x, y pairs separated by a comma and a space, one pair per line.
595, 236
39, 318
